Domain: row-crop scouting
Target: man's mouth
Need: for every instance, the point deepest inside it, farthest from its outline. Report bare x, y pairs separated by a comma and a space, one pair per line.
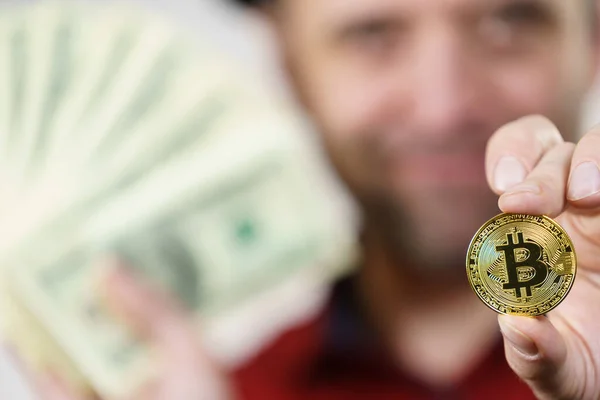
438, 169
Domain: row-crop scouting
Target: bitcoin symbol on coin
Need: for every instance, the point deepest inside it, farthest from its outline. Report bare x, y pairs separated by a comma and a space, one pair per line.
521, 264
513, 266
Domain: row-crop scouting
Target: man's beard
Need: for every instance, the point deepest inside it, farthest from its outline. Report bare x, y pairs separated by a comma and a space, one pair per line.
429, 236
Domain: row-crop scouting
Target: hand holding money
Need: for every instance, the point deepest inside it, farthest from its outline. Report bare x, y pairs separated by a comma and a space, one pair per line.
121, 135
535, 172
186, 372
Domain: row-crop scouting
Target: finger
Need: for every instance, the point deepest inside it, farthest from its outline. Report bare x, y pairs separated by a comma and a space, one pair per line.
186, 371
164, 322
185, 384
514, 150
536, 352
584, 180
543, 191
51, 387
47, 385
149, 311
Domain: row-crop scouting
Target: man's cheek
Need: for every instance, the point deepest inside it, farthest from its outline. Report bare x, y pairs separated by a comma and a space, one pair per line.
528, 91
348, 104
359, 169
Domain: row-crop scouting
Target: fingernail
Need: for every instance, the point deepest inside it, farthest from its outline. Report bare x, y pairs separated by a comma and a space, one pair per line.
584, 182
518, 339
509, 172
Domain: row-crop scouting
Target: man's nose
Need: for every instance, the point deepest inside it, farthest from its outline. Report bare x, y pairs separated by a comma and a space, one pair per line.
445, 83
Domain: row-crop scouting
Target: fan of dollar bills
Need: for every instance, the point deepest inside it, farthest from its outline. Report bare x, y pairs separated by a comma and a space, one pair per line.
119, 136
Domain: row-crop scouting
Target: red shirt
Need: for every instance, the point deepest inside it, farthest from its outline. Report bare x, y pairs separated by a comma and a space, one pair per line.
335, 357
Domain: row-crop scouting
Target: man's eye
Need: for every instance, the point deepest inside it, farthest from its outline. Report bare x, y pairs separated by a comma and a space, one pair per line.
376, 39
518, 26
524, 14
372, 36
372, 29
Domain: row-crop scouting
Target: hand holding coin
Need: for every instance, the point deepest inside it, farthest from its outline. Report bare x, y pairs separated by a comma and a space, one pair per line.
536, 173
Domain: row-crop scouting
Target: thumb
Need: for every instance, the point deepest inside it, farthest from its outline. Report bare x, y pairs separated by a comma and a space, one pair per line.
537, 353
186, 371
52, 387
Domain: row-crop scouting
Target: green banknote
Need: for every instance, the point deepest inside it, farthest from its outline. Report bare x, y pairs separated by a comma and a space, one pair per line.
125, 139
212, 249
50, 72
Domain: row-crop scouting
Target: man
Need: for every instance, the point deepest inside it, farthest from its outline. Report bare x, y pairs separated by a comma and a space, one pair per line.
411, 97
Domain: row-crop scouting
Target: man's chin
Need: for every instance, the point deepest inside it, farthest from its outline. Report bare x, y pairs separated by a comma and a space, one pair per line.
437, 228
437, 251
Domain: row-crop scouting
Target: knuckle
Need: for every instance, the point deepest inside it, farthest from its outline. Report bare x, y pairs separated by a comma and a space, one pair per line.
553, 197
567, 149
590, 143
533, 133
569, 146
530, 368
542, 130
548, 183
548, 137
594, 131
537, 121
542, 127
513, 135
555, 164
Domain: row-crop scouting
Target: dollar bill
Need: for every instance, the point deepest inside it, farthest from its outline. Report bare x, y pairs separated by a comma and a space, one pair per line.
16, 42
113, 39
154, 153
211, 250
50, 71
6, 27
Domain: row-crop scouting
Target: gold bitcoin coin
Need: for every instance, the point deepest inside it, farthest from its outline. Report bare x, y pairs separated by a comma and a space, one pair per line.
521, 264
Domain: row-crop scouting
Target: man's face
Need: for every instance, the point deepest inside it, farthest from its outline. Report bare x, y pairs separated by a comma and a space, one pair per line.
407, 92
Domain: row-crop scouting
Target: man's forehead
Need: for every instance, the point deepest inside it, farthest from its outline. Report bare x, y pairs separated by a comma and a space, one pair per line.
349, 9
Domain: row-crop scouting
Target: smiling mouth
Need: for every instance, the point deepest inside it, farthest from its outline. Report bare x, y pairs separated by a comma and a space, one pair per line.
439, 169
